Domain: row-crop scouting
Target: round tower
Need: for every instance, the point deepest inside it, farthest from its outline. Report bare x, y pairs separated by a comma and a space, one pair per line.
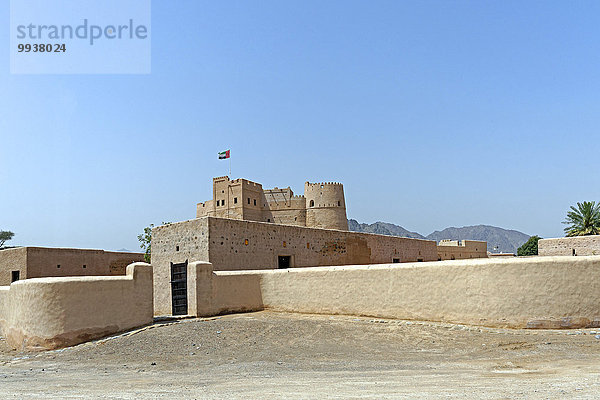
325, 205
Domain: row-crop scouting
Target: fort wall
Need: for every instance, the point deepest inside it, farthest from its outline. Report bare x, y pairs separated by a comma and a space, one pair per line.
463, 249
39, 262
553, 292
570, 246
49, 313
237, 245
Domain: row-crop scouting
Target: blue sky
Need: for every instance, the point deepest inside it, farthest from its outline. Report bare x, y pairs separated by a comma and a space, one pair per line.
432, 114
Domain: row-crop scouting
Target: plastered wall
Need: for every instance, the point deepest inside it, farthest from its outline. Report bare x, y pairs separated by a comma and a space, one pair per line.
569, 246
536, 292
48, 313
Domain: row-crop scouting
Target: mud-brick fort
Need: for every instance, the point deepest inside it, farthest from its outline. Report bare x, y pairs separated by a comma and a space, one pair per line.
322, 206
242, 253
245, 227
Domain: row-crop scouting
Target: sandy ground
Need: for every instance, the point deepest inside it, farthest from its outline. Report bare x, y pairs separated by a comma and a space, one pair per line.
269, 355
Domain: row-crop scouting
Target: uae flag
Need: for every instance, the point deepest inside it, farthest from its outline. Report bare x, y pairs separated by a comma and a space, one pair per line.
223, 155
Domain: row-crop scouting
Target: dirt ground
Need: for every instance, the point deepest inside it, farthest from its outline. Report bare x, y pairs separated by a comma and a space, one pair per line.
270, 355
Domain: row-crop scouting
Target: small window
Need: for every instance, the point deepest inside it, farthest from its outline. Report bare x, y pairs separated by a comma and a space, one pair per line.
284, 243
312, 203
248, 200
246, 242
254, 201
15, 275
339, 203
58, 266
574, 252
395, 260
222, 191
308, 245
176, 248
419, 260
84, 266
218, 202
235, 200
268, 219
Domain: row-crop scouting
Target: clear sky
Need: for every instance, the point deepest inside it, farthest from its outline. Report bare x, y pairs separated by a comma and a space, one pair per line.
432, 114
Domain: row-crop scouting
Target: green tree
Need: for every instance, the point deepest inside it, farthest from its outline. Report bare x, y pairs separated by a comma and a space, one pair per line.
583, 220
530, 247
5, 236
146, 241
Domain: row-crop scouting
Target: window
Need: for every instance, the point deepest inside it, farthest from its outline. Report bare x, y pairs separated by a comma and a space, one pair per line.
284, 243
246, 242
15, 275
235, 200
176, 248
84, 266
58, 266
218, 202
308, 245
312, 203
268, 219
574, 252
254, 201
248, 200
395, 260
339, 203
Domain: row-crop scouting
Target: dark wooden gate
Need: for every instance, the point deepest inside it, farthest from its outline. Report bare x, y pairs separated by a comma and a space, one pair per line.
179, 288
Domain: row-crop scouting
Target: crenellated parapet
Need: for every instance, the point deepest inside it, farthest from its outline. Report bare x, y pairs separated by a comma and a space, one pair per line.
322, 206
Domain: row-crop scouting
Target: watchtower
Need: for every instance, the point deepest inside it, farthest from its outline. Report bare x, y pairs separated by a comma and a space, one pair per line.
325, 205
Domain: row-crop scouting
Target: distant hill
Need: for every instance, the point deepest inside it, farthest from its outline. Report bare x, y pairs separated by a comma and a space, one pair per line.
499, 240
382, 228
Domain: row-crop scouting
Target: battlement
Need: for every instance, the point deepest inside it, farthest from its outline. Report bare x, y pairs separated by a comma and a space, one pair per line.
307, 183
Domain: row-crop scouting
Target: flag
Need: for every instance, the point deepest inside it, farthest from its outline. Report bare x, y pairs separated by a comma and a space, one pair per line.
223, 155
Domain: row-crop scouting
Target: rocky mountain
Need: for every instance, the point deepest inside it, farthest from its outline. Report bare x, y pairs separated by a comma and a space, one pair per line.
382, 228
499, 240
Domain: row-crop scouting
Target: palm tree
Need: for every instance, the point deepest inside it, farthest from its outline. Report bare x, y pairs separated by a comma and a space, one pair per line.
583, 220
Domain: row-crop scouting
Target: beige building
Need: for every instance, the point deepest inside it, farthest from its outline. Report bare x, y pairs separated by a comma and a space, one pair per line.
322, 205
570, 246
461, 249
40, 262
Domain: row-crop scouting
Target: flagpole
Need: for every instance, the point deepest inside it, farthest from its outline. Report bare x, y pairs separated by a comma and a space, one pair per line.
230, 167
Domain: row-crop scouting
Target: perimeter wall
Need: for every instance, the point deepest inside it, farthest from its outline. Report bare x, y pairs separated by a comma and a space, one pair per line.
49, 313
536, 292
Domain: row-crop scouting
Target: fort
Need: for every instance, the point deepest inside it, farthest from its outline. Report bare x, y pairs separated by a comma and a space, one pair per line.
322, 205
250, 249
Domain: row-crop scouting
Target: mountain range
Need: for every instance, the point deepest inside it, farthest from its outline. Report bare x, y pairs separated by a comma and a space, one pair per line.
499, 240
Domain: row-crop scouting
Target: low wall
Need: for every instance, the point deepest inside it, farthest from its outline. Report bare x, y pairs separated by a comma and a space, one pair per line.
570, 246
536, 292
49, 313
